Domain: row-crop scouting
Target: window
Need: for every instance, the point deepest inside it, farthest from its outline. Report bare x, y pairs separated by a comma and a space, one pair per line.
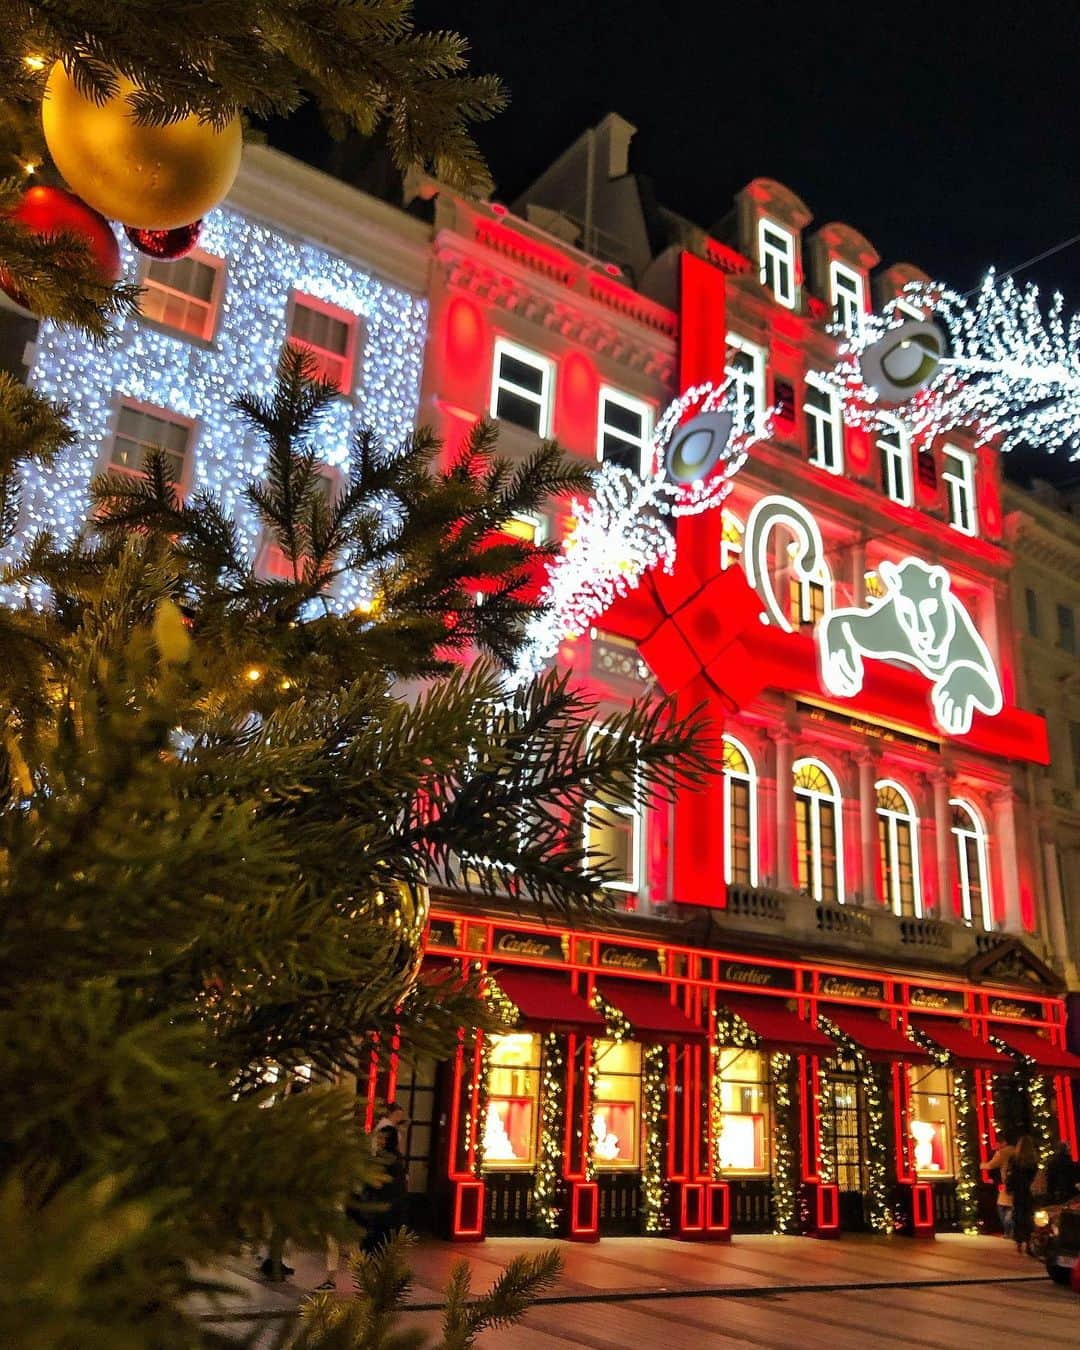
740, 815
526, 528
616, 1108
329, 334
846, 1146
415, 1092
741, 1102
140, 429
613, 839
521, 387
971, 867
847, 292
745, 370
1074, 745
894, 450
807, 596
817, 831
824, 427
513, 1101
898, 840
731, 539
776, 252
1066, 628
933, 1117
625, 429
184, 294
959, 475
1031, 604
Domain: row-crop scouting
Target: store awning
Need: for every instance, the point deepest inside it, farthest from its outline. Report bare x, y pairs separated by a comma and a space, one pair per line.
777, 1028
878, 1040
647, 1009
965, 1048
547, 1003
1046, 1056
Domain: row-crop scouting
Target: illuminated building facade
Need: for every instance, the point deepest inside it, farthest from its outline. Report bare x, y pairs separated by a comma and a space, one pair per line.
817, 987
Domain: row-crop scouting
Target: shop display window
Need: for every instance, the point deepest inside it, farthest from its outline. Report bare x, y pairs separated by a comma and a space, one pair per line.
742, 1100
513, 1102
933, 1116
616, 1108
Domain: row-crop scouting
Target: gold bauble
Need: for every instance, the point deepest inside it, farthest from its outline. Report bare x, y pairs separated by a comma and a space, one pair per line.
148, 177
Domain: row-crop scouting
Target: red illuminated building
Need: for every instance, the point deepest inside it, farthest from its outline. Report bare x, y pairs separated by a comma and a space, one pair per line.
820, 986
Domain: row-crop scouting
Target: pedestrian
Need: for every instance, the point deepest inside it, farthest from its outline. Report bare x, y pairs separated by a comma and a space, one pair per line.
1021, 1175
387, 1202
1061, 1176
1000, 1163
393, 1115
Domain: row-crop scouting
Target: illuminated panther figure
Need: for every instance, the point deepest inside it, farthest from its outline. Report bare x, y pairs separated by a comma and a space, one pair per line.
917, 622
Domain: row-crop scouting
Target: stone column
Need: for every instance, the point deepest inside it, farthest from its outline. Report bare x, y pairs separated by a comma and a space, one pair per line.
870, 881
1056, 930
785, 807
1003, 844
946, 862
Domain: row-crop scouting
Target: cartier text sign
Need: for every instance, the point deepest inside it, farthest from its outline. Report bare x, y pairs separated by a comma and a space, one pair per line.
535, 946
757, 977
839, 986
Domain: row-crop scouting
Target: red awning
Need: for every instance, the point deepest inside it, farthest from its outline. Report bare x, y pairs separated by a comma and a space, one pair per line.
965, 1048
648, 1010
547, 1003
777, 1028
1045, 1055
877, 1039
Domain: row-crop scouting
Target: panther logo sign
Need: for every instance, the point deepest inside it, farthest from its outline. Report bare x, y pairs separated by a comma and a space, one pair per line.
918, 621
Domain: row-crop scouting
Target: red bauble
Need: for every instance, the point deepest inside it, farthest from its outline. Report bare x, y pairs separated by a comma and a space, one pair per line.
165, 244
52, 211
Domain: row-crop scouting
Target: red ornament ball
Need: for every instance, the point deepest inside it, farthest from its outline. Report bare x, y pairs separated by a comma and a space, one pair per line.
165, 244
52, 211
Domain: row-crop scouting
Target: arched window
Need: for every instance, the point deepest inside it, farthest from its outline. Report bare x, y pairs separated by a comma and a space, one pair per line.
740, 815
898, 840
971, 866
818, 831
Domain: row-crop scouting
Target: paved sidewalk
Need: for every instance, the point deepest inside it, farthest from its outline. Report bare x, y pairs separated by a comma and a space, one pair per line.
626, 1291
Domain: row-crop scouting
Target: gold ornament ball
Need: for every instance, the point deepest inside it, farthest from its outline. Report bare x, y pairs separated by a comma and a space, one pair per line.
148, 177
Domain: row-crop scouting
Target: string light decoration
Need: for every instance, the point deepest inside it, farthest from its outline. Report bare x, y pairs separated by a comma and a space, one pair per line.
1036, 1089
196, 381
1011, 370
547, 1187
623, 530
879, 1201
967, 1160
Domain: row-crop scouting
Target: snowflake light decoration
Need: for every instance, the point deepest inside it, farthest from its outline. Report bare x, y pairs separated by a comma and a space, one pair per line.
1007, 369
624, 529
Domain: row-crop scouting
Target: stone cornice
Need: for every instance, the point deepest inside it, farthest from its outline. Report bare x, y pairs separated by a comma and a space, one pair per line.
1042, 535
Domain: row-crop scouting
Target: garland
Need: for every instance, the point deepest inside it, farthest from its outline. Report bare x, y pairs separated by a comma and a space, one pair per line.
1038, 1094
968, 1173
509, 1013
881, 1214
546, 1188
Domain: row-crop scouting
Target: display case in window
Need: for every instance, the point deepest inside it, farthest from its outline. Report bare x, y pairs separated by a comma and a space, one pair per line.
509, 1126
616, 1107
932, 1120
742, 1112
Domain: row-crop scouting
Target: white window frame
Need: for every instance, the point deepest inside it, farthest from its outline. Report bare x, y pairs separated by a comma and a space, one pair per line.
961, 490
344, 379
747, 385
635, 814
774, 254
610, 395
135, 405
750, 779
898, 485
960, 835
815, 799
910, 817
820, 421
848, 305
503, 346
212, 307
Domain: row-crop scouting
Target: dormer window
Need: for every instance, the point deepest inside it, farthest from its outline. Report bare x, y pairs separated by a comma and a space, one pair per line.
958, 472
745, 370
776, 255
894, 451
847, 292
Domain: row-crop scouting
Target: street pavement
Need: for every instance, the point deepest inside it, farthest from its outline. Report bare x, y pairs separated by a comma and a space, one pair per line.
854, 1293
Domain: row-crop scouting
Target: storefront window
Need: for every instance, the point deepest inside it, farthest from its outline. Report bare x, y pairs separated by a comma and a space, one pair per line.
742, 1111
513, 1101
616, 1116
932, 1122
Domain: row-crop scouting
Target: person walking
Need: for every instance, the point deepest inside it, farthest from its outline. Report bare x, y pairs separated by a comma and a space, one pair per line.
1061, 1176
1000, 1163
1021, 1174
387, 1200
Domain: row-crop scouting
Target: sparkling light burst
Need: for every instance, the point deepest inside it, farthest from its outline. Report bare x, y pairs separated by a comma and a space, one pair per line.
1012, 372
199, 380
